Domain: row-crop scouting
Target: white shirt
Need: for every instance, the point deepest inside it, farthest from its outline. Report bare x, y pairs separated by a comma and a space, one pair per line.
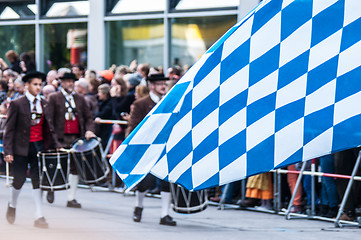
69, 97
154, 97
31, 98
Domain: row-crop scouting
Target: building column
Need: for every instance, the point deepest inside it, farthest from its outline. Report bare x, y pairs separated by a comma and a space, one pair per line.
39, 34
96, 35
245, 6
167, 39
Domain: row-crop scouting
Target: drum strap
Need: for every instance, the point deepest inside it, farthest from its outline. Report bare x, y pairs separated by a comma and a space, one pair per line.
73, 109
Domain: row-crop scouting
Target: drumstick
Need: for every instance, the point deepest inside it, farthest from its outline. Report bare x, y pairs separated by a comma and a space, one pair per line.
7, 181
106, 121
66, 150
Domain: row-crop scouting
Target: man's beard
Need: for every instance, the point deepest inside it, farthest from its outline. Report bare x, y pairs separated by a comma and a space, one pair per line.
68, 90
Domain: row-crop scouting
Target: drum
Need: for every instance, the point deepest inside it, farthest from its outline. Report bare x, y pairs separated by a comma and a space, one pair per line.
89, 161
54, 170
188, 202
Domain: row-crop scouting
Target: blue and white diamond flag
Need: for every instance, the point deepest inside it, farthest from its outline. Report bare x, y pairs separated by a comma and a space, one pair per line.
281, 86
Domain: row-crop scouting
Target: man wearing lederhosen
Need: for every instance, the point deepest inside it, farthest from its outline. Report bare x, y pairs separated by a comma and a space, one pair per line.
27, 131
141, 107
72, 119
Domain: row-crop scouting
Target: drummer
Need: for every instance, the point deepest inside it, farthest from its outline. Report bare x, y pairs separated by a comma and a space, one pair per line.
141, 107
72, 119
27, 131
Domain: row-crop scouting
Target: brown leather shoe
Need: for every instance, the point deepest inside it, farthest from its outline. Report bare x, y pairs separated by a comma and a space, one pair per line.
10, 214
249, 202
347, 217
41, 223
296, 209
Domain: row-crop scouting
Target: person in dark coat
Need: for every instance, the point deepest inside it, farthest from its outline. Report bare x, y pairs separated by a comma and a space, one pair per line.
72, 119
27, 130
141, 107
121, 101
105, 111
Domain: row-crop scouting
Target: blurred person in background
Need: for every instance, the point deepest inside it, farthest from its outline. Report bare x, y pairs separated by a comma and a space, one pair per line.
26, 63
3, 111
90, 75
3, 64
12, 93
174, 74
121, 71
3, 90
106, 76
52, 78
62, 71
132, 80
9, 74
141, 91
78, 70
14, 61
143, 70
105, 111
82, 88
19, 86
47, 90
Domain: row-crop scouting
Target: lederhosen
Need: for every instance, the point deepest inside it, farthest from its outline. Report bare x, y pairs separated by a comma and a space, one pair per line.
147, 182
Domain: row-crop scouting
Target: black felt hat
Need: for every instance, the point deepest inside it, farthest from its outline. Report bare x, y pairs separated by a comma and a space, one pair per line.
34, 74
69, 76
157, 77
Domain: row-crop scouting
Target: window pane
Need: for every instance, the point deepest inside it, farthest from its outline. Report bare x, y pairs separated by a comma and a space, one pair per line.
73, 8
141, 39
133, 6
20, 38
65, 44
191, 37
201, 4
17, 10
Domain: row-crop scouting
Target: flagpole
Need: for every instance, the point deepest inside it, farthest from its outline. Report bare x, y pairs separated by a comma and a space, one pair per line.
295, 190
347, 192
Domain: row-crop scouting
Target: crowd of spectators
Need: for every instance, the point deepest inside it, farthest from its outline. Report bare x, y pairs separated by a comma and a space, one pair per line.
108, 93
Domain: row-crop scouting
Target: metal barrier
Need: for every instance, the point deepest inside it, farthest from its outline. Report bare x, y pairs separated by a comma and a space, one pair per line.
311, 214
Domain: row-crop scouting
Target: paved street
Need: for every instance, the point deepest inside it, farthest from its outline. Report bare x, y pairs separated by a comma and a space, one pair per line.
107, 215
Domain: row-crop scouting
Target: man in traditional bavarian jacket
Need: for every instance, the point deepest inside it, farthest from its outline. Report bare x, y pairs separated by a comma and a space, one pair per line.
28, 129
72, 119
141, 107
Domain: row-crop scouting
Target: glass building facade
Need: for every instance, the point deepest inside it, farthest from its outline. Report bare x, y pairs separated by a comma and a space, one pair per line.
99, 33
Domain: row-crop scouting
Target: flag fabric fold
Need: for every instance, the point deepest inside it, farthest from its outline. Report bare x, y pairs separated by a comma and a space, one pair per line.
281, 86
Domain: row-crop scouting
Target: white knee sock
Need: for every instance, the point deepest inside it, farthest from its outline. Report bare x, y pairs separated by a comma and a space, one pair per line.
139, 197
14, 194
73, 182
165, 203
38, 203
